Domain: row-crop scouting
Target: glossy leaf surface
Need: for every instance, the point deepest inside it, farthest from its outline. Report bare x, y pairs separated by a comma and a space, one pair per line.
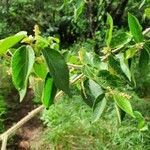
123, 103
22, 63
135, 28
9, 42
49, 91
109, 22
57, 68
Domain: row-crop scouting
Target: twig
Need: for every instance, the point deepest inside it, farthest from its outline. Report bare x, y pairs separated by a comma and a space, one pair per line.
4, 143
74, 66
146, 31
30, 115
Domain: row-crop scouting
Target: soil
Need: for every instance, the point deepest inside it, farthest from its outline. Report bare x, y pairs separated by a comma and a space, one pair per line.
31, 131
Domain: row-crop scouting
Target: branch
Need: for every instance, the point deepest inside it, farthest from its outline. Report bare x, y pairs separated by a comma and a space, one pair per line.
4, 143
146, 31
74, 66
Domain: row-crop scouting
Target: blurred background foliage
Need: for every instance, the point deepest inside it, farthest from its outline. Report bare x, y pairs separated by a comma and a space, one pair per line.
68, 19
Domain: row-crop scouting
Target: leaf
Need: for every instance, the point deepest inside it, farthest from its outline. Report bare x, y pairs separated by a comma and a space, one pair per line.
114, 66
106, 79
130, 53
78, 9
22, 63
90, 58
124, 65
147, 12
99, 107
123, 103
120, 39
40, 69
86, 94
49, 91
95, 88
140, 119
120, 114
57, 68
98, 99
9, 42
90, 90
109, 22
135, 28
89, 71
144, 61
72, 58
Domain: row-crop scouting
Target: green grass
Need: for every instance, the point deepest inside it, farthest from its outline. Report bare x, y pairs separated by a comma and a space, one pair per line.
69, 127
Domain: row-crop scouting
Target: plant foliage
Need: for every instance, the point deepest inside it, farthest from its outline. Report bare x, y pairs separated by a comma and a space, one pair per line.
110, 74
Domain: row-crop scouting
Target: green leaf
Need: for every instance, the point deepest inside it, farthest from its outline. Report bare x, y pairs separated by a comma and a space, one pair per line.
123, 103
90, 58
71, 58
97, 100
40, 69
135, 28
144, 61
114, 66
124, 65
109, 22
57, 68
106, 79
90, 90
95, 88
120, 39
140, 119
49, 91
78, 9
130, 53
86, 93
147, 12
120, 114
9, 42
88, 71
22, 63
99, 107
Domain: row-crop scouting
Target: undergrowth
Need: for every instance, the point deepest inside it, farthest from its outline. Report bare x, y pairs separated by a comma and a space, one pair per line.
69, 127
5, 88
3, 110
